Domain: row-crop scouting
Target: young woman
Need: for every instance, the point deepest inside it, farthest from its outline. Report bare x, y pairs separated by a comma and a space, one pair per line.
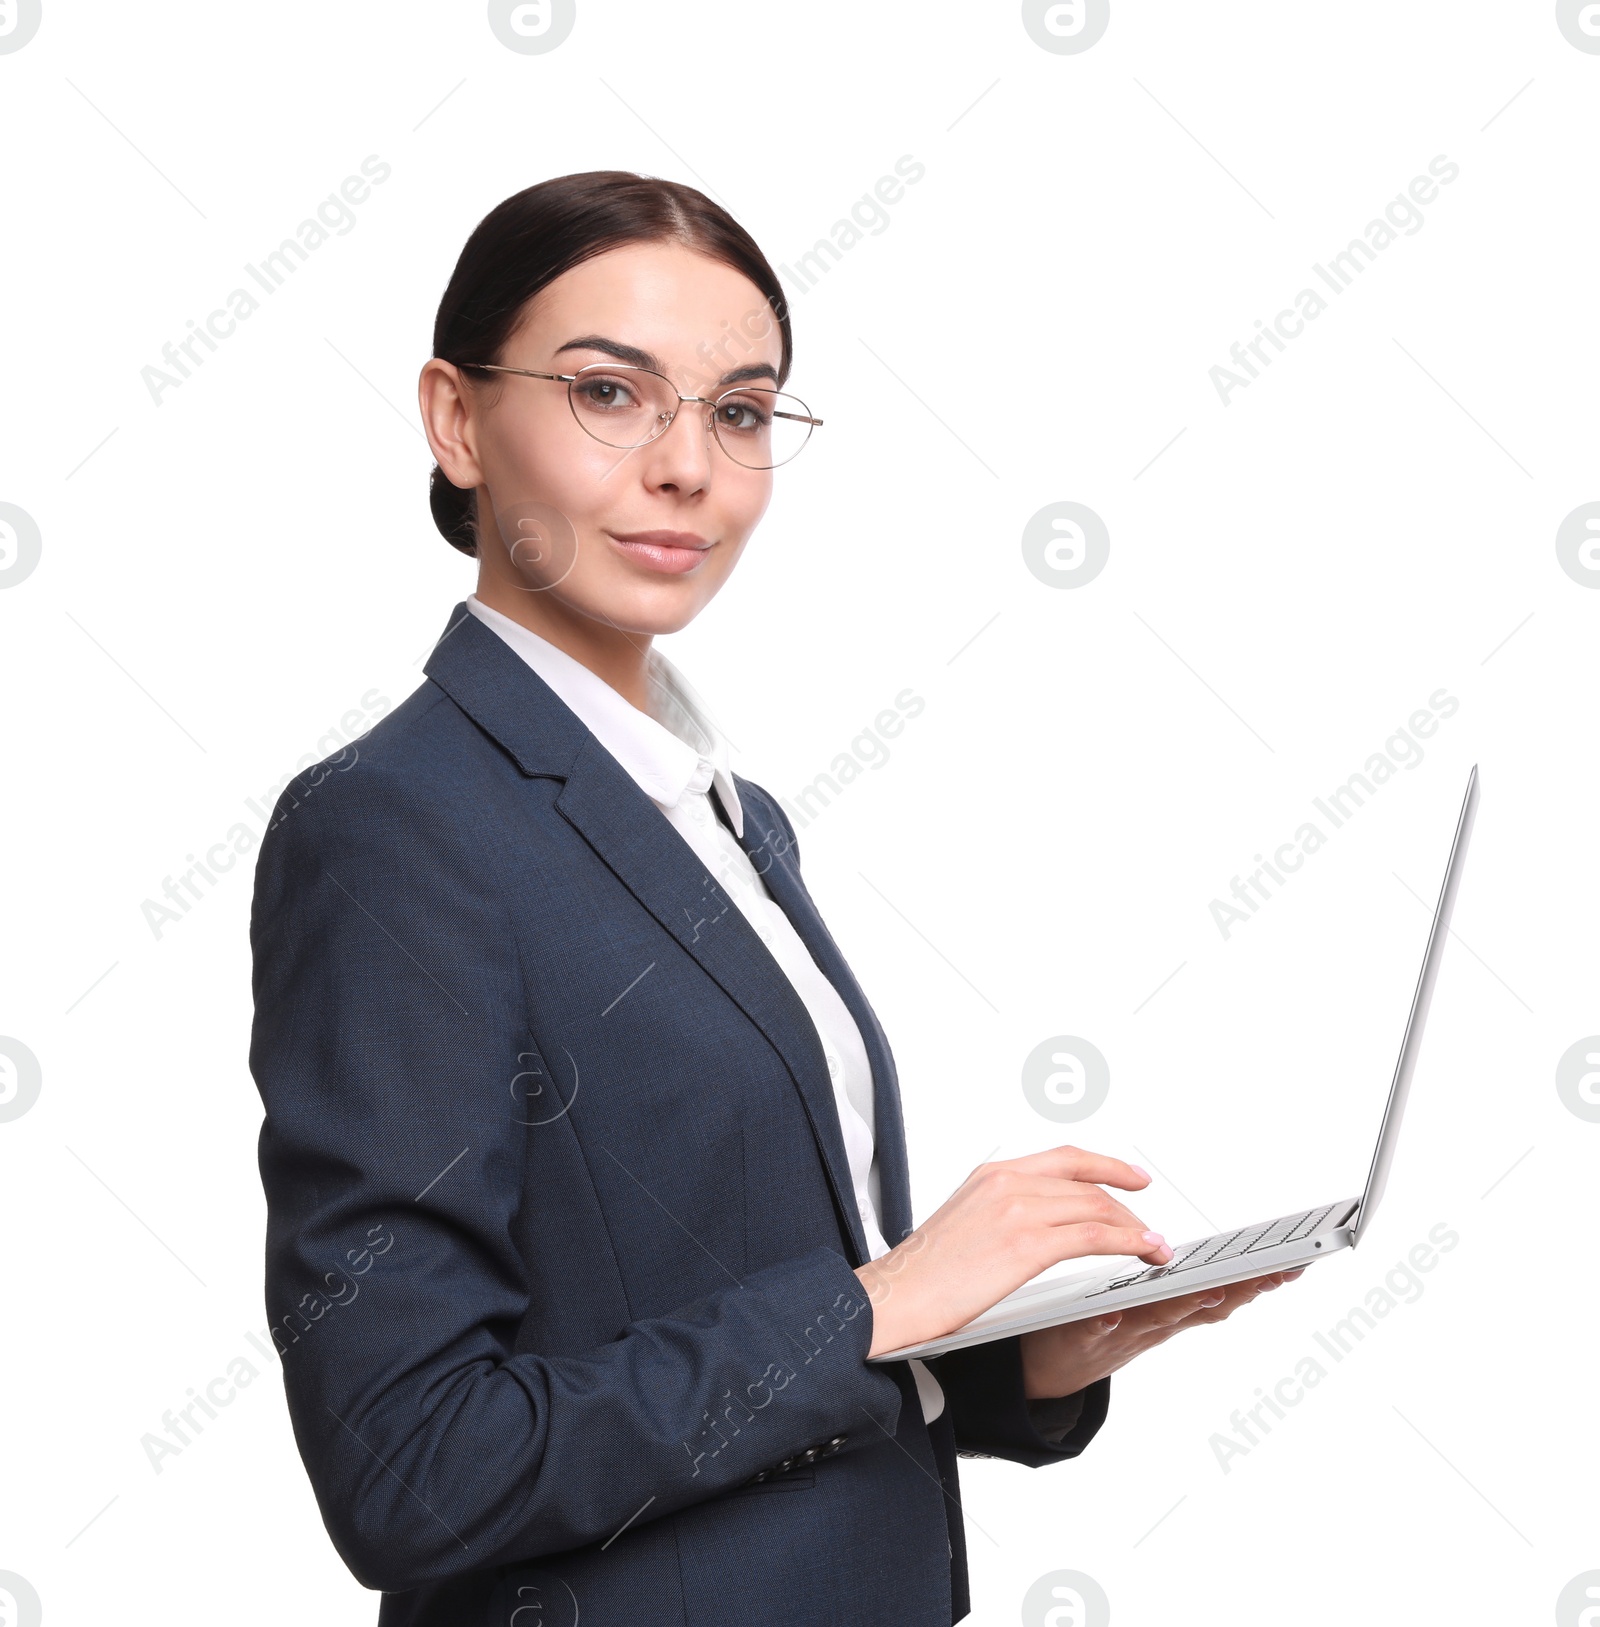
583, 1152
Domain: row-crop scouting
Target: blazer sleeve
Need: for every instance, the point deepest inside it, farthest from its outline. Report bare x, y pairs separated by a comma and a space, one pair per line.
992, 1417
389, 1007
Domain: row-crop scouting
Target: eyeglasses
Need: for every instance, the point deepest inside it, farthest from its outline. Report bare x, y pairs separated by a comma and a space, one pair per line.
625, 406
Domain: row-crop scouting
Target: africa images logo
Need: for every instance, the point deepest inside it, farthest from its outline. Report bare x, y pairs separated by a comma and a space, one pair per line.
1065, 27
1579, 21
19, 1603
532, 27
1578, 545
19, 22
20, 1081
20, 545
1066, 545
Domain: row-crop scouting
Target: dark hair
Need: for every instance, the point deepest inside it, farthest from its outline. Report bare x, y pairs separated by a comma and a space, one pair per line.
533, 237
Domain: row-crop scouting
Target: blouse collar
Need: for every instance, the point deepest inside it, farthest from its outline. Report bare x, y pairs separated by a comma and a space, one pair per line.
670, 751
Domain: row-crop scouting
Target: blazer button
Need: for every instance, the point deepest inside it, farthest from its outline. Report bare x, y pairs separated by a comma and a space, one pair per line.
837, 1442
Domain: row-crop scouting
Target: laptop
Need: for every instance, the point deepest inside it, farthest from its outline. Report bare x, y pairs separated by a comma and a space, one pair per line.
1250, 1251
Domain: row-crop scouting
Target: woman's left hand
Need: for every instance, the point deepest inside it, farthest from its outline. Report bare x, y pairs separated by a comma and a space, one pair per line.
1063, 1359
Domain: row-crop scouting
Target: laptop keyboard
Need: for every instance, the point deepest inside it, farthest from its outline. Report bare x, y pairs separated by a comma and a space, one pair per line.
1227, 1246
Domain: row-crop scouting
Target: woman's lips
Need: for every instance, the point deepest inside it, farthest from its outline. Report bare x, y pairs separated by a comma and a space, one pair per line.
670, 552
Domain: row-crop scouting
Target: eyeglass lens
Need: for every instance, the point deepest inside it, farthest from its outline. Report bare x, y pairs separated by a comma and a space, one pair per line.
628, 407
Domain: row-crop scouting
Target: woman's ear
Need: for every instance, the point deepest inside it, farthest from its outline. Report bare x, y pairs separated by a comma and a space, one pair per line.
443, 397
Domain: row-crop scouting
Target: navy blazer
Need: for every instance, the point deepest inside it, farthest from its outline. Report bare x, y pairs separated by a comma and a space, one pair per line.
561, 1237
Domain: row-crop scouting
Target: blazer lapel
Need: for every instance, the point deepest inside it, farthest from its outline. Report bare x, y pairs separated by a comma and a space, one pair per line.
508, 699
779, 869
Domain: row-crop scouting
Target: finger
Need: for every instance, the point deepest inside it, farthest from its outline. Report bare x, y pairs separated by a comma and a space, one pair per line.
1073, 1239
1076, 1229
1215, 1304
1079, 1199
1238, 1294
1044, 1201
1172, 1313
1051, 1230
1078, 1164
1271, 1279
1011, 1177
1150, 1325
1187, 1305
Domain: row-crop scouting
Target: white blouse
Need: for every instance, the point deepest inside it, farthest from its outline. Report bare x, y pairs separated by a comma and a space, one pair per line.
676, 757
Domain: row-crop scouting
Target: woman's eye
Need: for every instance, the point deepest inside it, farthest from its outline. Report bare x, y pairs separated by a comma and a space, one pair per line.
606, 393
743, 414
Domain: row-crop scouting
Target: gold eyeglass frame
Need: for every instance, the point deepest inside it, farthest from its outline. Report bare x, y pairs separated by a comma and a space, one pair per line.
569, 379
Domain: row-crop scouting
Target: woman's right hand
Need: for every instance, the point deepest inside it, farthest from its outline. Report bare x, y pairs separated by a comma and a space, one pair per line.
1003, 1225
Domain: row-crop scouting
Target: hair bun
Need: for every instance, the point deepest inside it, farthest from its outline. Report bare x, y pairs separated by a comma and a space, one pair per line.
454, 512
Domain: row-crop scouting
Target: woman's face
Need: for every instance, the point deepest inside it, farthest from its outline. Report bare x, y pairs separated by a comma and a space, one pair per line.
568, 526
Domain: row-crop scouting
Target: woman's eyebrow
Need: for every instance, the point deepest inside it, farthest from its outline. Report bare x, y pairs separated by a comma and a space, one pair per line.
756, 370
636, 357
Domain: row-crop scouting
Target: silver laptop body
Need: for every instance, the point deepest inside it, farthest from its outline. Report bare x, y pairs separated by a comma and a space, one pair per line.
1251, 1251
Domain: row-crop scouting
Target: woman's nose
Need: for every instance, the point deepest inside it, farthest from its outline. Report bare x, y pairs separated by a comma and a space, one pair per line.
681, 454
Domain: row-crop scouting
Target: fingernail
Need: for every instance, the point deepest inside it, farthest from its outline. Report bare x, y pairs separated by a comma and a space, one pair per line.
1215, 1300
1155, 1239
1140, 1170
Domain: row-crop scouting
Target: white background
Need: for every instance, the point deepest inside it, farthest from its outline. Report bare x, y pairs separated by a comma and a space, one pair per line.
227, 574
